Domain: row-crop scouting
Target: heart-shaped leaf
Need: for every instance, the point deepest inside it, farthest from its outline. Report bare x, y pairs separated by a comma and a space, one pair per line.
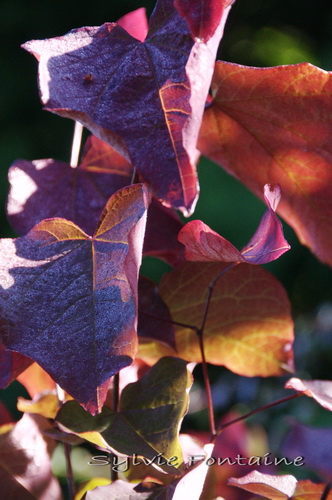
69, 300
273, 125
249, 328
42, 189
267, 244
148, 422
144, 98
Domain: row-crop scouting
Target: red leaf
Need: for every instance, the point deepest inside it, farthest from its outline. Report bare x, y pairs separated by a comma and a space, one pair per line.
203, 16
273, 125
11, 365
48, 188
272, 487
69, 301
136, 23
249, 328
144, 98
320, 390
267, 244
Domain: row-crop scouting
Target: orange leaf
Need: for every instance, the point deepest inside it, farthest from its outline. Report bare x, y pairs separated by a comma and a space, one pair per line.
274, 125
249, 327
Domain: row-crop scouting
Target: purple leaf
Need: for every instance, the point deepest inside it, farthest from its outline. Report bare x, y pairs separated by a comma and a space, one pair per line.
267, 244
152, 311
69, 301
146, 99
44, 189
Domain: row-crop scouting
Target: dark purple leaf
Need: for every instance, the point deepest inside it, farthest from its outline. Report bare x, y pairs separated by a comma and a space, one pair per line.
152, 310
267, 244
69, 300
146, 99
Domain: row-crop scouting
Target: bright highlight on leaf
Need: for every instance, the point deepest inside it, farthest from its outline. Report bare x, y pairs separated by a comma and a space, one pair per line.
249, 328
267, 244
270, 486
274, 125
146, 99
69, 301
320, 390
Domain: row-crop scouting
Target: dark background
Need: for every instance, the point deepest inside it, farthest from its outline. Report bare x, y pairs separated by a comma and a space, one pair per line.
258, 33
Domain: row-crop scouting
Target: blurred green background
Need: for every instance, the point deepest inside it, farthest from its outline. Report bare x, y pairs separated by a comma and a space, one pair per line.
258, 33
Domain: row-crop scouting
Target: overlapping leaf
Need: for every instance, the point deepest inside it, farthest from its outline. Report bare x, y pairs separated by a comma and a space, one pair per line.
11, 365
267, 244
144, 98
249, 327
48, 188
274, 125
148, 421
203, 16
69, 301
25, 461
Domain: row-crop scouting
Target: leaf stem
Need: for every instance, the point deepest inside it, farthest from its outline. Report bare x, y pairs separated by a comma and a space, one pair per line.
76, 144
115, 407
222, 427
207, 384
69, 469
326, 491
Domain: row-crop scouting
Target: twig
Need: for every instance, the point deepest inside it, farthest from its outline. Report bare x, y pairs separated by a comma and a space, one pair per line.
76, 144
326, 491
222, 427
69, 469
115, 407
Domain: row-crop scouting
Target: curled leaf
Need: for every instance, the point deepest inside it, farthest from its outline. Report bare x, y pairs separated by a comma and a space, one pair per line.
320, 390
267, 244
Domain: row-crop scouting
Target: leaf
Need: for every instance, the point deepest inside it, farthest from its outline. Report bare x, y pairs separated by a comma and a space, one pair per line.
249, 327
151, 312
46, 404
69, 301
119, 490
135, 23
148, 422
25, 456
320, 390
302, 441
36, 380
203, 16
306, 490
272, 487
267, 244
44, 189
273, 125
11, 365
146, 99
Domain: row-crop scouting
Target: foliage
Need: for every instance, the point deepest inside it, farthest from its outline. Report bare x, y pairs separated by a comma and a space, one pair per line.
106, 355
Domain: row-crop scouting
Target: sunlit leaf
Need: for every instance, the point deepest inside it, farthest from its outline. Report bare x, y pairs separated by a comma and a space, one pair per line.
249, 327
25, 455
146, 99
274, 125
272, 487
320, 390
69, 300
267, 244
